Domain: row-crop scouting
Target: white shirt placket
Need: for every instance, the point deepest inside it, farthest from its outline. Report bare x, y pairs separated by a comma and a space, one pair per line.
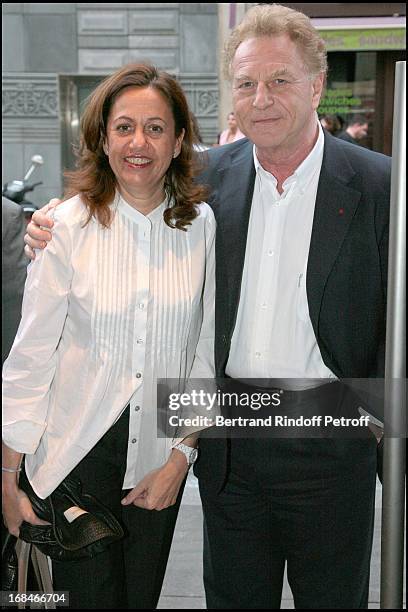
139, 335
267, 292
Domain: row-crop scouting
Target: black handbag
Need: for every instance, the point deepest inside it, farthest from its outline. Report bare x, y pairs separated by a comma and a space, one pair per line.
9, 561
80, 525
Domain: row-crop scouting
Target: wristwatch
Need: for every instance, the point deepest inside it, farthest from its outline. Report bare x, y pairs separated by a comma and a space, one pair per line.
189, 452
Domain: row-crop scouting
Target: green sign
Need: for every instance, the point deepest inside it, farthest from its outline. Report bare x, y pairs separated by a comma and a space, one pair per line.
364, 40
338, 101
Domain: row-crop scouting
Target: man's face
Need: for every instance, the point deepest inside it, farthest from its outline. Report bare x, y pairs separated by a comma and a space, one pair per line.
360, 130
274, 96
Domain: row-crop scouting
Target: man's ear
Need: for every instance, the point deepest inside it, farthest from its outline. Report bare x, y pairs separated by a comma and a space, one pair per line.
318, 85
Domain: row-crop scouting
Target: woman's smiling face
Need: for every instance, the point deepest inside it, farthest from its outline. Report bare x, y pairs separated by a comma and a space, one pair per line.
141, 143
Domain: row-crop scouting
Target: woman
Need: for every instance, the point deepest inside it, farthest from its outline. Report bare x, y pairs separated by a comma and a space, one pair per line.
232, 133
122, 295
331, 123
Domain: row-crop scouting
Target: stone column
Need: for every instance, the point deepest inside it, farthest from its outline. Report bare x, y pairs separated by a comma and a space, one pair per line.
229, 15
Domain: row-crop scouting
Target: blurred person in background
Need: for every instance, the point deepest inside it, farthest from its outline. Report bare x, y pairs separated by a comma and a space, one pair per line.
331, 123
232, 133
357, 130
14, 271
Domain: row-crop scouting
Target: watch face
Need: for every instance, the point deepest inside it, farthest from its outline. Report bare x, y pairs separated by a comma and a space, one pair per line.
193, 455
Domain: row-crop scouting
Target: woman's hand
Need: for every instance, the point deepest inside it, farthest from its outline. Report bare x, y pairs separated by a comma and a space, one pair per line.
16, 509
159, 488
36, 237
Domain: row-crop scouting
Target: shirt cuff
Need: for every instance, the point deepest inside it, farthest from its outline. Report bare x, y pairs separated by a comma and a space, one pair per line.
178, 440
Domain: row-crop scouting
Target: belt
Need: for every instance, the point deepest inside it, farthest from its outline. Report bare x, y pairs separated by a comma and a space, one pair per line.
321, 392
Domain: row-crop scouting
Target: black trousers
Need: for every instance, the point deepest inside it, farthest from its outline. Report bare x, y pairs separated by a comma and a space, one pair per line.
307, 503
129, 574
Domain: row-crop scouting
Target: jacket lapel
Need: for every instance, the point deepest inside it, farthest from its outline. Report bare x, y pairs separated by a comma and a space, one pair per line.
336, 204
237, 178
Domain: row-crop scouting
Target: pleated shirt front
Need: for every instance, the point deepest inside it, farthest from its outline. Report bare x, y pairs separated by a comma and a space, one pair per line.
106, 313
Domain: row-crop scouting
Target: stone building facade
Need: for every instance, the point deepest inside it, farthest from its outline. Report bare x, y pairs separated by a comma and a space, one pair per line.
52, 51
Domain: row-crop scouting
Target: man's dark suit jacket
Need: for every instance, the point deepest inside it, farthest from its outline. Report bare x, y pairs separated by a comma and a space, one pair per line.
347, 265
14, 270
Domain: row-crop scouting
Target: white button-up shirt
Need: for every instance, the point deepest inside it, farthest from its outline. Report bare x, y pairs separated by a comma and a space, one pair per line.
273, 335
106, 313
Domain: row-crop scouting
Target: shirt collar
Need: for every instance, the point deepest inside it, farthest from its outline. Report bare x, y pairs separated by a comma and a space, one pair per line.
306, 169
134, 215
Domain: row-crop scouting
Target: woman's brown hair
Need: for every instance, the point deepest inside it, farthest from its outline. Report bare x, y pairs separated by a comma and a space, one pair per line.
94, 178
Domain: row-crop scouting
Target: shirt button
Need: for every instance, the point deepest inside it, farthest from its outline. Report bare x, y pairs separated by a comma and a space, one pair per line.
139, 341
257, 354
138, 375
141, 306
134, 440
264, 305
270, 253
137, 408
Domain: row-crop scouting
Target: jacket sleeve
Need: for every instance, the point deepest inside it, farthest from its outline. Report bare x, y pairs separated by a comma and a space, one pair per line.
29, 370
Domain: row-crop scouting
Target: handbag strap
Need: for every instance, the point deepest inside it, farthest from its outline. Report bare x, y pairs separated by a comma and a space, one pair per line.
23, 550
43, 575
41, 568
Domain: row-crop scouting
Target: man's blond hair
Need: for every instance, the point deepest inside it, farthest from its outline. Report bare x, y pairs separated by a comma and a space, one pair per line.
273, 20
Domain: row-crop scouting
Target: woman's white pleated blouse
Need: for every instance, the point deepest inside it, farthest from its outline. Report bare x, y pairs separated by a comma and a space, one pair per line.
106, 312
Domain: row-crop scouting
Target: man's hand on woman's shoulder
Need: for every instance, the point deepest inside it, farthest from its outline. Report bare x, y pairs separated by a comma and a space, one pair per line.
37, 234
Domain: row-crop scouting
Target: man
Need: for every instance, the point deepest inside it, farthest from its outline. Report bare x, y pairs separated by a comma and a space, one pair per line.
301, 279
301, 276
14, 266
357, 129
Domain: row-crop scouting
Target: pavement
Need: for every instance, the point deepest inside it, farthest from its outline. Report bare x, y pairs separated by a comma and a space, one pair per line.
183, 586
